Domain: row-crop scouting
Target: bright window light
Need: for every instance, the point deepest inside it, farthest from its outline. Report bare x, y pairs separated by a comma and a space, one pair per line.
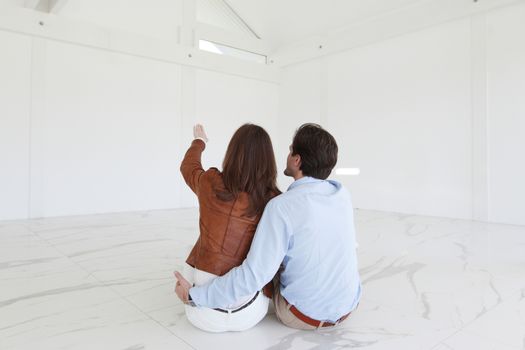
219, 49
347, 171
209, 46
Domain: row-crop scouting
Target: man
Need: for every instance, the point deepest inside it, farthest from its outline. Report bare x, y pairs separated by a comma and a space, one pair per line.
305, 239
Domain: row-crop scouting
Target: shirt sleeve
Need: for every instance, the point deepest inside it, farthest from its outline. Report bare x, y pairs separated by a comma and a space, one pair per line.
266, 254
191, 166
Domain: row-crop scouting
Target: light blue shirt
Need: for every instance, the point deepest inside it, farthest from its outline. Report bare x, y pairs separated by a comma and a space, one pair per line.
310, 230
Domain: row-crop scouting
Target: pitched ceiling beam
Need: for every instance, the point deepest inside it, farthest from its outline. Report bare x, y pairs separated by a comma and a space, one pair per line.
49, 6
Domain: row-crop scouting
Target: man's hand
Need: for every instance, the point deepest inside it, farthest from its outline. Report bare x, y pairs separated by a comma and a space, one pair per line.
199, 133
182, 287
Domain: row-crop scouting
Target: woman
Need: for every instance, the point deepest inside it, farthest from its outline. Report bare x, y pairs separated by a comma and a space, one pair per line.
231, 203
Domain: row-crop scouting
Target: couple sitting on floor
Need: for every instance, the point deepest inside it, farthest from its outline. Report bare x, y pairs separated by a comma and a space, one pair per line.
255, 243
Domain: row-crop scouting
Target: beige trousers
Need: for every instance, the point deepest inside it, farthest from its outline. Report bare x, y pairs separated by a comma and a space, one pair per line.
287, 317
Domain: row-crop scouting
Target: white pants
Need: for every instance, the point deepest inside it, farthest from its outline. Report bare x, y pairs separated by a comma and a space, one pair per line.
211, 320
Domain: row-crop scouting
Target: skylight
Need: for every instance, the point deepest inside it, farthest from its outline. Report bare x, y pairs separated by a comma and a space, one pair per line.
219, 49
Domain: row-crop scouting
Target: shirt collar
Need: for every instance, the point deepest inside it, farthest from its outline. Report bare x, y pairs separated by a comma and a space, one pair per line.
302, 181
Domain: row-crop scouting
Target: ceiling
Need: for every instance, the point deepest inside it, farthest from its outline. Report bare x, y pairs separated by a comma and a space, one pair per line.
278, 23
284, 22
151, 18
155, 18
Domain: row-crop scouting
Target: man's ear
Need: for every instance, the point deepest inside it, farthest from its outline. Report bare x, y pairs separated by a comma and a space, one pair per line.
298, 161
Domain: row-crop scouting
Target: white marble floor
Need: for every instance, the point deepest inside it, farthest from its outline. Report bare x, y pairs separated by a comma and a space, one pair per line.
105, 282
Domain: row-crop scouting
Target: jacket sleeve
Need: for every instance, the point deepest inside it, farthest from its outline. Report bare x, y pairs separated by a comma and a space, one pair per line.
191, 167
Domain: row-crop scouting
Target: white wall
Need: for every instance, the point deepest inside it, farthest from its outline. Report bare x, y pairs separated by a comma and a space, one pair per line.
86, 130
105, 132
15, 80
299, 103
506, 114
434, 119
401, 112
413, 113
222, 104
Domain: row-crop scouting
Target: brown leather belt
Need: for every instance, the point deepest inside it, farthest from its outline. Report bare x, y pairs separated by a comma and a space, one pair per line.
240, 308
311, 321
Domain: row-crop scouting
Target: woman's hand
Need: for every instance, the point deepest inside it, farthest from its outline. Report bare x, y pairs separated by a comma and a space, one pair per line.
199, 133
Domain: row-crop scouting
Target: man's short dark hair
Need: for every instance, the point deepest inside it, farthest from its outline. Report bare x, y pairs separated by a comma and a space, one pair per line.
317, 148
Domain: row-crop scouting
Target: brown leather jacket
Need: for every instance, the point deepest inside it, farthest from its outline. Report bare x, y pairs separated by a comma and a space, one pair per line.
226, 233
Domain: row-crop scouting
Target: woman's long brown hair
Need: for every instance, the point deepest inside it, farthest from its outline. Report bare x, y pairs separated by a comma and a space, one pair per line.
249, 166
